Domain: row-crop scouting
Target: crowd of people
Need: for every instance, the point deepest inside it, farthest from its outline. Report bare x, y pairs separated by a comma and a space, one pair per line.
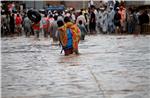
57, 24
106, 20
120, 20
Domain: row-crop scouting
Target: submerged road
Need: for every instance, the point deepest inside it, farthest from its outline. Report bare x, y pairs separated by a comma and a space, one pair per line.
109, 66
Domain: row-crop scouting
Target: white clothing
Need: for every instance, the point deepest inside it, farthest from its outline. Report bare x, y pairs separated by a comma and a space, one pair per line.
82, 18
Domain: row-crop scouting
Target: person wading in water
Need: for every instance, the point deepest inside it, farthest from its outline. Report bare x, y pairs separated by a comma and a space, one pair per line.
69, 35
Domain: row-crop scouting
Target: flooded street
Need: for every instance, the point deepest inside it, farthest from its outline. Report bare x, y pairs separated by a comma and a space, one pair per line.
109, 66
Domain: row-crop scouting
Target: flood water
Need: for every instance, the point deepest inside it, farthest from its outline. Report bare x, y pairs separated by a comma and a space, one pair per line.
109, 66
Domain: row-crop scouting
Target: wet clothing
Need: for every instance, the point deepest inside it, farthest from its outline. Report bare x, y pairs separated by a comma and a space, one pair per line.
117, 18
83, 31
50, 23
27, 26
4, 30
45, 22
111, 26
45, 26
131, 22
69, 47
73, 17
105, 22
92, 22
60, 17
65, 38
36, 29
76, 35
36, 26
18, 20
81, 18
53, 30
143, 18
5, 25
123, 19
7, 22
123, 16
12, 24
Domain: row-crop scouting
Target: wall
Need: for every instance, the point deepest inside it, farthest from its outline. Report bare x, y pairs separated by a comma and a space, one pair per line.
35, 4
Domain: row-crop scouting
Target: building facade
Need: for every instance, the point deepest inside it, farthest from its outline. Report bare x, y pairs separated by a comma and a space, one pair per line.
34, 4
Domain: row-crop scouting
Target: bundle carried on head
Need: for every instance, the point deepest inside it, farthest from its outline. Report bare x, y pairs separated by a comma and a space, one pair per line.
34, 16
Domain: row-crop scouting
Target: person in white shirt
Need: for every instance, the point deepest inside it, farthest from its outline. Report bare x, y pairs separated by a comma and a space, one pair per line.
105, 22
111, 15
98, 19
73, 17
82, 18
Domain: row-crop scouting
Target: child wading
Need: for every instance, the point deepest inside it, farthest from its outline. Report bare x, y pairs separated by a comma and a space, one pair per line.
82, 29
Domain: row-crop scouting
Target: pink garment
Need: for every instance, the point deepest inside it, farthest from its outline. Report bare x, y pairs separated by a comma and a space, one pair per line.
123, 15
46, 24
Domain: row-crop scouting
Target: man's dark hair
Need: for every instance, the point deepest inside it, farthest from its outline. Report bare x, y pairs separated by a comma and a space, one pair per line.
60, 23
55, 17
66, 19
80, 13
45, 15
50, 16
17, 15
80, 22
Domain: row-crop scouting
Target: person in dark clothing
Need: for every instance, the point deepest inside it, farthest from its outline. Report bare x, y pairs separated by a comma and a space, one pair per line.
116, 5
5, 30
117, 22
146, 17
86, 18
131, 21
143, 19
12, 24
92, 22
